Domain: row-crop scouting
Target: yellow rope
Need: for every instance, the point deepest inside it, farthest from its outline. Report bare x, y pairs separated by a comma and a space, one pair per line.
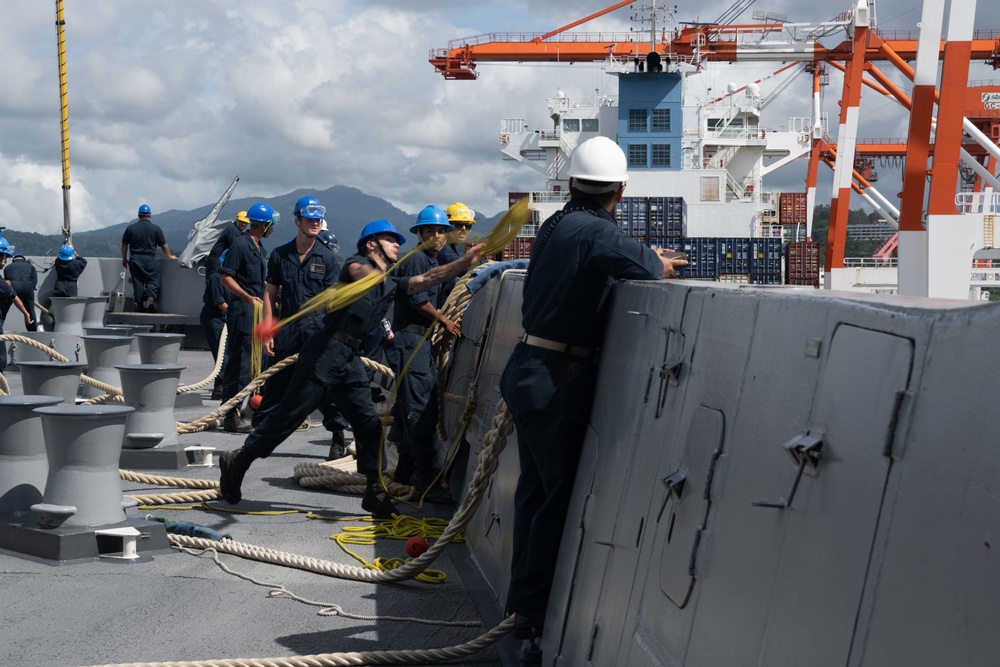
400, 528
256, 343
341, 295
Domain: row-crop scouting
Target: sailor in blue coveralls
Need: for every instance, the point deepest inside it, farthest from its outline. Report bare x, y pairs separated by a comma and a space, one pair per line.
243, 276
9, 297
298, 271
139, 244
23, 278
68, 267
214, 301
416, 396
461, 218
329, 368
548, 381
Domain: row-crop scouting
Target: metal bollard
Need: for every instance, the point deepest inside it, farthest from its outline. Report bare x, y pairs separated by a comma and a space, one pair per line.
51, 378
93, 311
159, 348
104, 353
83, 446
24, 465
151, 390
68, 313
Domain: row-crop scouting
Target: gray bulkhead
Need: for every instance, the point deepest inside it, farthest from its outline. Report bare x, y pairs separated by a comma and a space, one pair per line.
772, 477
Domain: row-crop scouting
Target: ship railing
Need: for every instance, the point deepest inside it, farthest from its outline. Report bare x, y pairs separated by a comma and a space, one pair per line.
870, 262
522, 37
978, 202
549, 197
569, 103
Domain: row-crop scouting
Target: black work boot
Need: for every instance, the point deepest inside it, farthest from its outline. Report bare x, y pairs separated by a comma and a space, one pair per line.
376, 500
234, 422
422, 479
217, 391
233, 465
338, 446
404, 469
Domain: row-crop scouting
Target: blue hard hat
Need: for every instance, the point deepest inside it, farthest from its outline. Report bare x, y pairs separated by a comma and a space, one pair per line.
261, 213
329, 239
17, 254
431, 215
66, 252
309, 207
145, 210
5, 248
379, 227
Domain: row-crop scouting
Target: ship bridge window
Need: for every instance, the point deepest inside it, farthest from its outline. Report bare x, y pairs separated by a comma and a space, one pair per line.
661, 155
637, 120
661, 121
637, 155
710, 188
591, 125
571, 124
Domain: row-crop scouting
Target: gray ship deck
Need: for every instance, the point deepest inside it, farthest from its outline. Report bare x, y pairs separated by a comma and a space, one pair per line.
172, 606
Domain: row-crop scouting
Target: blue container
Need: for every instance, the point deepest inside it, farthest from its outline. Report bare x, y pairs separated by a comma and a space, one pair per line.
765, 256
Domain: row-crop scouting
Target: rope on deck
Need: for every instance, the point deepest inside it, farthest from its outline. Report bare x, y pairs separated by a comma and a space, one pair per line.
413, 657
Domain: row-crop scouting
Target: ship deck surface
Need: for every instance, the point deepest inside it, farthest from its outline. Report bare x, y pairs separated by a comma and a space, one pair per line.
172, 606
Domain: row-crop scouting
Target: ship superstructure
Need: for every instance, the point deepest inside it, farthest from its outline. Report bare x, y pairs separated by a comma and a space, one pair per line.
716, 153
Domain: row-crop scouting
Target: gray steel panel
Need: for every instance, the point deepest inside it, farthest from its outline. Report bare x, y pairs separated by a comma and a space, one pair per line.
607, 502
937, 596
490, 327
778, 386
830, 526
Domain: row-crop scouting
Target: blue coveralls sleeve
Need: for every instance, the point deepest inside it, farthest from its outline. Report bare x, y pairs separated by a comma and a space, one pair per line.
234, 260
414, 266
623, 258
126, 236
83, 263
273, 269
160, 239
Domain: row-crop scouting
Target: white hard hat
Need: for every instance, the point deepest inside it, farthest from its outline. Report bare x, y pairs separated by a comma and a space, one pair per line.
599, 159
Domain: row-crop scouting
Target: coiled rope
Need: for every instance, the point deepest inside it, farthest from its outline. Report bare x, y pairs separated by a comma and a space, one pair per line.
486, 464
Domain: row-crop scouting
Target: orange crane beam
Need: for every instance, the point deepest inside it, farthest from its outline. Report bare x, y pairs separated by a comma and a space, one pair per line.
709, 42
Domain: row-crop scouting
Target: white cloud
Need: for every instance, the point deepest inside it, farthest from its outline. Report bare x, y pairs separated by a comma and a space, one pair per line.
169, 101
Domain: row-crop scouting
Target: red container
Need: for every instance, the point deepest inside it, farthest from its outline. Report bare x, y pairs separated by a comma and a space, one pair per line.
514, 197
792, 207
802, 263
519, 248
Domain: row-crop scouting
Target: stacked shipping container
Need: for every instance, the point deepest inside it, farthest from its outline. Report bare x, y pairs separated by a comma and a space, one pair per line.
802, 263
792, 208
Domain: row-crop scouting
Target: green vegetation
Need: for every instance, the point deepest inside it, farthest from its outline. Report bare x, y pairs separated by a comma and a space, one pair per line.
853, 247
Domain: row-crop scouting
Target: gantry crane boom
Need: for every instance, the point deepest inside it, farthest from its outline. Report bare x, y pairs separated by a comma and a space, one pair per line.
755, 42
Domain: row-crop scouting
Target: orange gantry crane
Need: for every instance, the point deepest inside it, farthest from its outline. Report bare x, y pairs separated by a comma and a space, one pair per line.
858, 57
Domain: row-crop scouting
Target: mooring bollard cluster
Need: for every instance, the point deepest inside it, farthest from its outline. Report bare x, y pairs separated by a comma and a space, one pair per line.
61, 494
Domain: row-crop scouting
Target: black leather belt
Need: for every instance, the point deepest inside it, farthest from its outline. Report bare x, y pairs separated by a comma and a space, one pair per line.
415, 328
353, 343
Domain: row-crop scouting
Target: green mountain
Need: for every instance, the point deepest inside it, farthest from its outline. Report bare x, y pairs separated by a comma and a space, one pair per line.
348, 210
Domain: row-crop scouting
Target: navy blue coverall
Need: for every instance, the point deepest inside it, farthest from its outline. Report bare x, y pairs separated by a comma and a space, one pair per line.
297, 281
23, 277
143, 238
6, 299
213, 318
416, 396
330, 368
245, 263
446, 255
549, 393
67, 273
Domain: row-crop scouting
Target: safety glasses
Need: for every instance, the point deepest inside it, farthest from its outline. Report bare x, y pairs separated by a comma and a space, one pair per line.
313, 211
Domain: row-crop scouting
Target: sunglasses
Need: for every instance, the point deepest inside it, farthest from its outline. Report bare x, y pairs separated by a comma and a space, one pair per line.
461, 225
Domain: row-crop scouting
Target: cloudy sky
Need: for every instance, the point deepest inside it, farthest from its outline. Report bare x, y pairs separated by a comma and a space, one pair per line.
169, 100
